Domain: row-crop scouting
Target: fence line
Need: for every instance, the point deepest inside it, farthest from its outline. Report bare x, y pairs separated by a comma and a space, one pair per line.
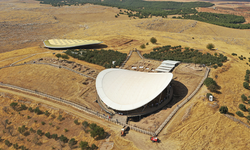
77, 106
182, 104
125, 61
139, 53
22, 59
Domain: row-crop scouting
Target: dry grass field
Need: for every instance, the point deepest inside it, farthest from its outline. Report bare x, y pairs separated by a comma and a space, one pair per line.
198, 125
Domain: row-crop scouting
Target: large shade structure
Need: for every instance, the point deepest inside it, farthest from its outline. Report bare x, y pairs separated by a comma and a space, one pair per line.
64, 43
126, 90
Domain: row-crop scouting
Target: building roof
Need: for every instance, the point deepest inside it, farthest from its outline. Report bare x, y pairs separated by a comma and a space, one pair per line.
126, 90
170, 62
66, 43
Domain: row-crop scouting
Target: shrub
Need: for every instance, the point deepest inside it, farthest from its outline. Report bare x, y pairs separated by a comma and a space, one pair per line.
153, 40
60, 118
38, 111
28, 117
142, 46
208, 94
64, 139
7, 142
85, 124
223, 109
57, 127
243, 98
219, 64
30, 109
66, 130
21, 129
93, 147
23, 107
84, 145
54, 136
46, 113
245, 85
15, 146
212, 88
32, 130
53, 116
248, 117
239, 113
72, 142
210, 46
147, 43
39, 132
96, 131
242, 107
234, 54
76, 122
43, 123
215, 66
13, 105
47, 135
209, 81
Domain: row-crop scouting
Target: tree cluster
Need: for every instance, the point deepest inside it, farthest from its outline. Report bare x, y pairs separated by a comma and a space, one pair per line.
246, 83
185, 55
226, 20
100, 57
145, 9
211, 85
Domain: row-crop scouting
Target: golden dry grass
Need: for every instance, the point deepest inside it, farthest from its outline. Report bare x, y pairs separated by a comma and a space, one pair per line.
203, 128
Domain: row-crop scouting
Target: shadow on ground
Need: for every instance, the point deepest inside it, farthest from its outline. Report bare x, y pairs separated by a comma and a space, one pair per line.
95, 46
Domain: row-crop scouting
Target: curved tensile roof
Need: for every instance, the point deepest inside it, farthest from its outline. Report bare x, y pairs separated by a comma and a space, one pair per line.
126, 90
64, 43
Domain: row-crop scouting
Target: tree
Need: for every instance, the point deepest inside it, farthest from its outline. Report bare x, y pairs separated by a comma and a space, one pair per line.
242, 107
54, 136
239, 113
76, 122
13, 105
22, 129
60, 118
93, 147
7, 142
58, 55
30, 109
208, 94
153, 40
65, 56
46, 113
84, 145
72, 142
96, 131
5, 123
223, 109
38, 111
47, 135
23, 107
243, 98
245, 85
39, 132
210, 46
15, 146
64, 139
142, 46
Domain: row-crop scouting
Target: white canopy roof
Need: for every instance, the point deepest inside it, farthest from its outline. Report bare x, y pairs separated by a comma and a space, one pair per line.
170, 62
126, 90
